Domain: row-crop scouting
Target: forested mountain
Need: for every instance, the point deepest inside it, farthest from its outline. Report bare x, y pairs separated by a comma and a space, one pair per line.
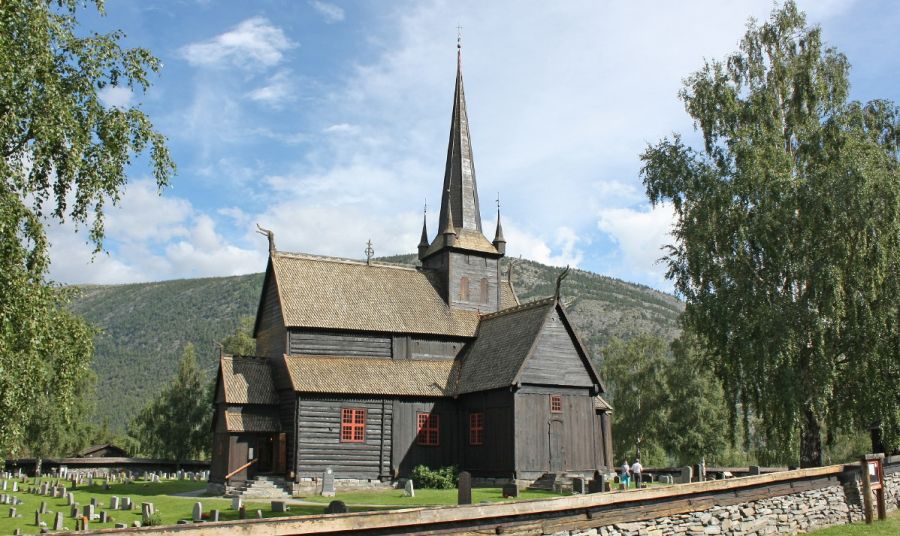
145, 326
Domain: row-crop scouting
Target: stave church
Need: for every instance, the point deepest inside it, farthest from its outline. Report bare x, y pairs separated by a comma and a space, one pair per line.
370, 369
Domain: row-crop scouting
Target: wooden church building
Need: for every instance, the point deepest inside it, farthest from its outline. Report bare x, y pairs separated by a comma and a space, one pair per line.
372, 369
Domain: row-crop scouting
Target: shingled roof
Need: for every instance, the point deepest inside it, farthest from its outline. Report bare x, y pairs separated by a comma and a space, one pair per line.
504, 340
247, 380
323, 292
372, 376
251, 421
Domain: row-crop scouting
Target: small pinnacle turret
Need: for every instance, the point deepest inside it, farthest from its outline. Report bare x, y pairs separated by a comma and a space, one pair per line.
423, 242
499, 241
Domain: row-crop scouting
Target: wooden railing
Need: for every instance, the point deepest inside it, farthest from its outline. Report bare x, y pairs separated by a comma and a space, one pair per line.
241, 468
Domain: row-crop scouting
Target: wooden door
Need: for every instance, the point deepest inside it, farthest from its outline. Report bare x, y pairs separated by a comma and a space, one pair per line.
557, 447
265, 445
281, 456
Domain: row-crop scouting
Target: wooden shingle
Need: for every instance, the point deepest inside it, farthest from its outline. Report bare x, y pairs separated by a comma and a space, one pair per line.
371, 376
247, 380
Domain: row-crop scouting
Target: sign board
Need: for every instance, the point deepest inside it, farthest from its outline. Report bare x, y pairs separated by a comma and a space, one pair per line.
874, 468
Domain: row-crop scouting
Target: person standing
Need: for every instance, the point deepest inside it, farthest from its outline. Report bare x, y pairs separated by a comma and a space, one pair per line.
636, 469
625, 472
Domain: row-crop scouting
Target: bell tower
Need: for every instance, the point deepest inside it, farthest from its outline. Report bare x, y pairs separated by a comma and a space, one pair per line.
467, 262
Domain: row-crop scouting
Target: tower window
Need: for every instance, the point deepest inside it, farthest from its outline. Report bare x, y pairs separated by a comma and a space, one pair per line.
556, 404
484, 290
464, 288
428, 425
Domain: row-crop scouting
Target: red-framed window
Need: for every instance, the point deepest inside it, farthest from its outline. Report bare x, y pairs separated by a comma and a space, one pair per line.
476, 428
429, 427
556, 404
353, 425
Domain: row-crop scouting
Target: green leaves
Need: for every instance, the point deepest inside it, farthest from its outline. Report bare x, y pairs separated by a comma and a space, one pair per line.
788, 233
63, 154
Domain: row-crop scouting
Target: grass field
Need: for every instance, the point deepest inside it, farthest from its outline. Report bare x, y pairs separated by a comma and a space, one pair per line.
172, 508
889, 527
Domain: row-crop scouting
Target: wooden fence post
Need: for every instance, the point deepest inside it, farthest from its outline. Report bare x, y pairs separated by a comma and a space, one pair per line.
867, 489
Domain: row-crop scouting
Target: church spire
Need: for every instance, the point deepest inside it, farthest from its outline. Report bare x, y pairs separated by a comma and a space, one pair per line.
499, 241
423, 242
460, 197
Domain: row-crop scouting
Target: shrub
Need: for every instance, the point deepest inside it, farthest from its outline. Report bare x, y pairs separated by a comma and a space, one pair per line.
443, 478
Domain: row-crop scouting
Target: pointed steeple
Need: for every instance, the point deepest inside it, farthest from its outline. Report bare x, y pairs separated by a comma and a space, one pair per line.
499, 241
460, 197
423, 242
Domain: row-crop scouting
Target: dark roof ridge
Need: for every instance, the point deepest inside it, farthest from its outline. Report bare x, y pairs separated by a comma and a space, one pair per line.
367, 359
341, 260
517, 308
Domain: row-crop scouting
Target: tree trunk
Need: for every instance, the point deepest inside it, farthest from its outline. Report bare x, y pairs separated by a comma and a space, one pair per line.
810, 440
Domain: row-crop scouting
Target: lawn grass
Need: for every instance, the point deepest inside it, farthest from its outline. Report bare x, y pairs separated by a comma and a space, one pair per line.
424, 497
888, 527
171, 508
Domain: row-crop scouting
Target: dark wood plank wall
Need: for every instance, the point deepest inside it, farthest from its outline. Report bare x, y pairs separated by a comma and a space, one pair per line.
555, 359
271, 333
532, 441
496, 456
603, 439
308, 342
433, 348
475, 267
319, 443
406, 452
287, 416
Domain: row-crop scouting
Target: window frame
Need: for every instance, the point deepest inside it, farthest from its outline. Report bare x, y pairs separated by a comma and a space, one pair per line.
484, 292
465, 290
556, 406
428, 429
350, 427
476, 428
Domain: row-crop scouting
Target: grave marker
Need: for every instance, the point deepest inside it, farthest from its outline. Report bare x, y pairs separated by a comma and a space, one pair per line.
328, 483
578, 486
58, 521
510, 490
279, 506
198, 512
409, 489
464, 487
214, 515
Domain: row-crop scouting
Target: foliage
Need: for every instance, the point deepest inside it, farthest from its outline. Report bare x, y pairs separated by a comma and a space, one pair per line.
636, 385
788, 236
58, 429
62, 155
175, 424
241, 342
443, 478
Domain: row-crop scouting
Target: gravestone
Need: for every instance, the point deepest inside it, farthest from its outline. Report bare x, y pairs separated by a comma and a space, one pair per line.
242, 512
687, 475
43, 509
37, 519
75, 510
198, 512
127, 504
3, 486
147, 511
579, 486
113, 503
58, 521
598, 483
328, 483
104, 517
12, 512
408, 489
701, 471
510, 491
259, 514
754, 470
94, 502
15, 486
236, 503
214, 515
121, 525
336, 507
464, 494
88, 511
279, 506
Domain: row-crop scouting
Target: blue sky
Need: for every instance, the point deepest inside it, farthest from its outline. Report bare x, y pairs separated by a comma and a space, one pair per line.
327, 122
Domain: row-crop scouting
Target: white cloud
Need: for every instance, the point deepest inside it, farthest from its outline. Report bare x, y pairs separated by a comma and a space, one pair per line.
330, 12
341, 128
277, 90
116, 96
251, 44
640, 234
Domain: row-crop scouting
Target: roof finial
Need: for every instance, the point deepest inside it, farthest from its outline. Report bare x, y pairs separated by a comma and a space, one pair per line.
559, 280
370, 252
268, 234
423, 242
458, 37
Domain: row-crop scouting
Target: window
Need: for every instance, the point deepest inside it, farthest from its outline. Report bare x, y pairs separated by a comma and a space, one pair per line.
429, 429
476, 428
555, 404
464, 288
353, 425
484, 290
